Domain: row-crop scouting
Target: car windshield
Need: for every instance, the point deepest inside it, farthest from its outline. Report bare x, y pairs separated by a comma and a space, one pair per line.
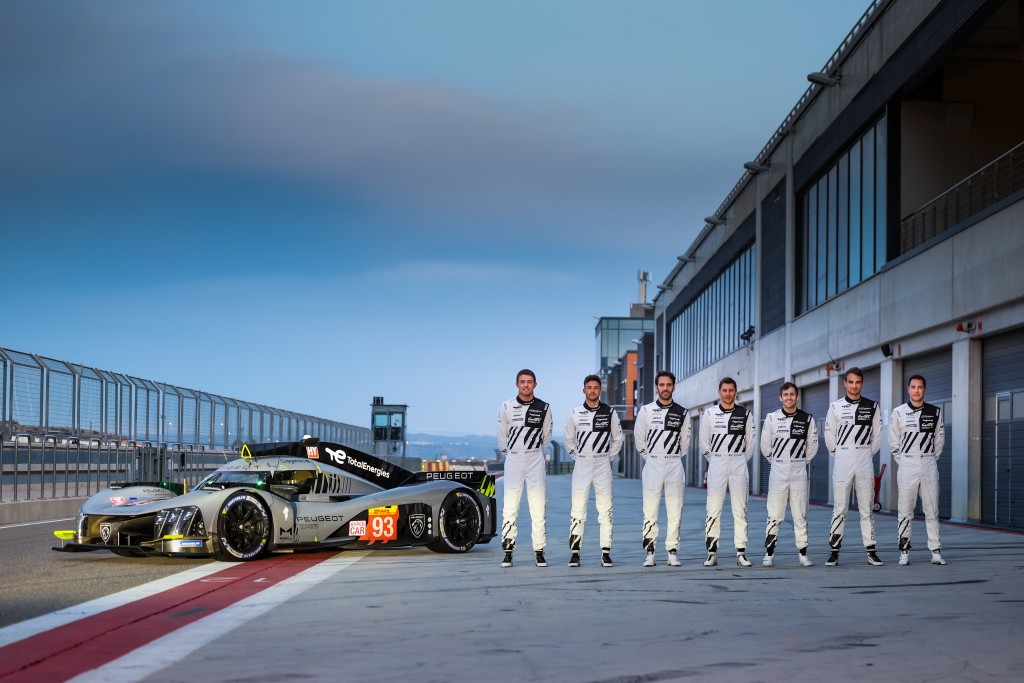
234, 478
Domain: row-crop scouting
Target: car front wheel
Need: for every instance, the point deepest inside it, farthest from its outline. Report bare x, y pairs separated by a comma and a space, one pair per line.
459, 523
243, 528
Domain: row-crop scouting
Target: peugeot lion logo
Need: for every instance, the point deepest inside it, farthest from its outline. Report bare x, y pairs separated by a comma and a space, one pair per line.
105, 532
417, 523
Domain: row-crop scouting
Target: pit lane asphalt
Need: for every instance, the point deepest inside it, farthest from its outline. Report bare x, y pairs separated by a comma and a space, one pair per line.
412, 615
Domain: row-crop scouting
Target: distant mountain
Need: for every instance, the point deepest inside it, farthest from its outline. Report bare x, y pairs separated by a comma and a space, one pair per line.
432, 447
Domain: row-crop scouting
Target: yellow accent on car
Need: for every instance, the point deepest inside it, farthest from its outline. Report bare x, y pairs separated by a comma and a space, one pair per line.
65, 534
246, 453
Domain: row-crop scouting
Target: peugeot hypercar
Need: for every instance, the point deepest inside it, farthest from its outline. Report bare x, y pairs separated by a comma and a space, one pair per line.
302, 495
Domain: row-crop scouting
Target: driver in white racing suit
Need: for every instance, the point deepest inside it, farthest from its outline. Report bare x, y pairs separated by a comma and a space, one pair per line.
727, 442
524, 431
662, 433
593, 437
853, 434
789, 441
916, 438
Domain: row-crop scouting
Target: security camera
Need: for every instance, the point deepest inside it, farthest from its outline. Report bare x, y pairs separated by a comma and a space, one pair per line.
967, 326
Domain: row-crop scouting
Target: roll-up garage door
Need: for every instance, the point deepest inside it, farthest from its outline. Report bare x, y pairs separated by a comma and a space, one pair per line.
937, 370
814, 400
769, 404
1002, 446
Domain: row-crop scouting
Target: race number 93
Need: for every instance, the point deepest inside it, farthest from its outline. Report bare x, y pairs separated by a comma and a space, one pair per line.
381, 524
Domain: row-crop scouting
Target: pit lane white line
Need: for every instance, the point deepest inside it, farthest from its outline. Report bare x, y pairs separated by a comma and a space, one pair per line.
42, 521
175, 646
30, 627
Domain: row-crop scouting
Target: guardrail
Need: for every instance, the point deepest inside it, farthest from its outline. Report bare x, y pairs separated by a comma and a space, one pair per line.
51, 467
984, 188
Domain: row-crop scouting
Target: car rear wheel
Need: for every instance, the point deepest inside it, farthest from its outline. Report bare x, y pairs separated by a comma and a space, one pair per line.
459, 523
243, 528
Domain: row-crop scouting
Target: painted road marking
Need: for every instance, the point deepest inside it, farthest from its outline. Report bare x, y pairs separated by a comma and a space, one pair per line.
177, 645
85, 643
46, 622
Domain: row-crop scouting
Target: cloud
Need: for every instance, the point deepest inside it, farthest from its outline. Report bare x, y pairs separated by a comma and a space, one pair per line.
463, 272
132, 92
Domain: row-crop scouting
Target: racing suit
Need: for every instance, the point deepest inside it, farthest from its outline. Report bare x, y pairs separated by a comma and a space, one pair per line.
661, 433
727, 442
789, 441
593, 437
524, 431
853, 433
916, 438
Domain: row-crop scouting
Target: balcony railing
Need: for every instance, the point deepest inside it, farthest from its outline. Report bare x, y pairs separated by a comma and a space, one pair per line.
990, 185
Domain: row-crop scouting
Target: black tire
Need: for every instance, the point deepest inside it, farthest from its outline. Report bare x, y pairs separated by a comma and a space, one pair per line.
243, 528
876, 507
459, 523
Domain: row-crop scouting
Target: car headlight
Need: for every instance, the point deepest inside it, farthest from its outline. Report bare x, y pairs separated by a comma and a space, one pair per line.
183, 521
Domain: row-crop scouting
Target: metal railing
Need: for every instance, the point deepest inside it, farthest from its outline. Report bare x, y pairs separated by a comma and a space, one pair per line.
42, 396
988, 186
54, 468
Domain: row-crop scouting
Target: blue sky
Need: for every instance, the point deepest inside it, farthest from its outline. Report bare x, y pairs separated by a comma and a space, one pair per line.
310, 204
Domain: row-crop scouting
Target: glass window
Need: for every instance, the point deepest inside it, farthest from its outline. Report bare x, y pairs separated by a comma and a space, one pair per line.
822, 237
855, 201
843, 223
868, 205
880, 206
812, 247
844, 232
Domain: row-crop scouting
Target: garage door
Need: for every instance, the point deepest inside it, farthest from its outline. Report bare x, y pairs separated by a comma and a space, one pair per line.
1002, 449
937, 370
814, 400
769, 404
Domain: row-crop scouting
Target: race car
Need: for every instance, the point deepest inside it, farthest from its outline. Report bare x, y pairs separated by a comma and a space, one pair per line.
281, 497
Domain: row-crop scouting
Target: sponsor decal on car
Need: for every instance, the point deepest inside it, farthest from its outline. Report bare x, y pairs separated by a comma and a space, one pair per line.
357, 528
340, 457
191, 544
313, 452
417, 524
118, 500
381, 524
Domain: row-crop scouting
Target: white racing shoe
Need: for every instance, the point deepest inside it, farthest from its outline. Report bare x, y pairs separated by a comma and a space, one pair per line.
806, 561
937, 557
742, 561
649, 562
768, 561
904, 559
712, 560
673, 560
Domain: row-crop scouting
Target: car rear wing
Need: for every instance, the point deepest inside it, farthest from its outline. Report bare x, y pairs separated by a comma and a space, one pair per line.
365, 466
375, 470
